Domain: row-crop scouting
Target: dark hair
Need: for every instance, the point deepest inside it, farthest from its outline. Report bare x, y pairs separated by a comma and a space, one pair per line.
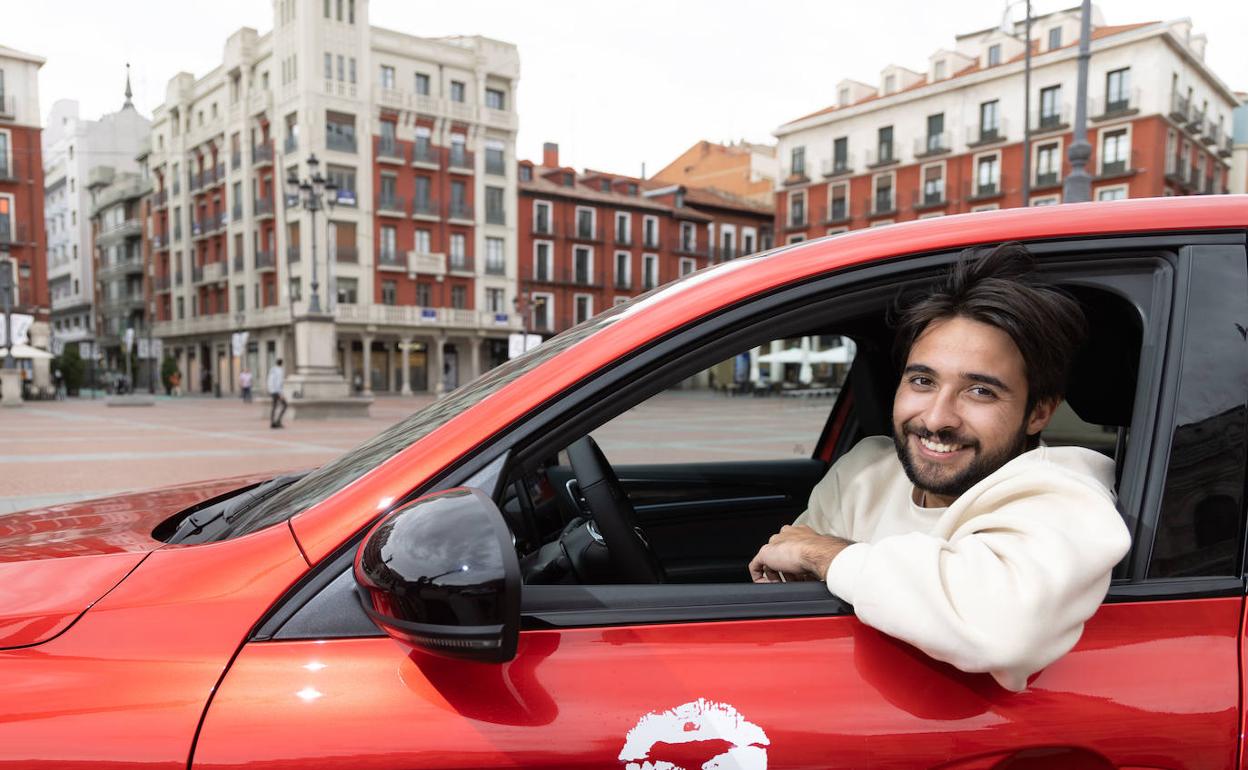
998, 286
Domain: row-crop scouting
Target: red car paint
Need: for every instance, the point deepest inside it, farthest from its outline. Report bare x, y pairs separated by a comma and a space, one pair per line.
149, 666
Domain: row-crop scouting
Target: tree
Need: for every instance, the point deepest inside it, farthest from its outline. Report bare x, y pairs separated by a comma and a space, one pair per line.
167, 367
72, 368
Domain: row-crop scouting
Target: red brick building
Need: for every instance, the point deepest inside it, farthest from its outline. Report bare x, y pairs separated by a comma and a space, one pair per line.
591, 240
22, 237
951, 140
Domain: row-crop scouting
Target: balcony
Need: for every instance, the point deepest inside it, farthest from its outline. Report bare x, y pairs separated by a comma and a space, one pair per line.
1195, 121
265, 260
623, 283
197, 229
392, 205
160, 200
495, 165
650, 241
461, 263
882, 156
1227, 147
293, 254
569, 276
1046, 122
1118, 167
236, 213
8, 106
979, 191
932, 145
161, 283
691, 249
838, 212
930, 197
621, 238
216, 222
425, 154
236, 160
1119, 106
978, 136
213, 272
495, 267
882, 205
159, 243
120, 268
390, 152
263, 207
426, 208
262, 155
461, 212
239, 263
340, 142
795, 174
346, 254
1212, 134
389, 259
836, 167
1046, 179
460, 160
495, 216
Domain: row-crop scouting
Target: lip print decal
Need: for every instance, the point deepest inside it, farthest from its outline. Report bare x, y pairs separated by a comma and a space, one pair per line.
702, 735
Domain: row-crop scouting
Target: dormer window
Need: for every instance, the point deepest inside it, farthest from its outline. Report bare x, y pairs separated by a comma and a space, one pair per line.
1055, 38
568, 179
938, 71
842, 98
890, 84
994, 54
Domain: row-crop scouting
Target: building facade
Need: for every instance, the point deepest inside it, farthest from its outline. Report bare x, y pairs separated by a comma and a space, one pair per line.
1239, 137
950, 139
743, 169
592, 240
417, 136
119, 303
22, 239
73, 149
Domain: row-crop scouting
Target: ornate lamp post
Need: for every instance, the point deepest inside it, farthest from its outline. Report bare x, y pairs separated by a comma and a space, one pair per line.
1007, 27
313, 194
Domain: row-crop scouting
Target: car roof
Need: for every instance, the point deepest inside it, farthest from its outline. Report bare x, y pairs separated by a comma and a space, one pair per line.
653, 315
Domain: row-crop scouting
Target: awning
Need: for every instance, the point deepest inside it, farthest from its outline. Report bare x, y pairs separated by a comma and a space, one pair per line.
25, 351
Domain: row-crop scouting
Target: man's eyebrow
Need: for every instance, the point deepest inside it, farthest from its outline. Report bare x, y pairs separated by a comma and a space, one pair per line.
919, 369
987, 379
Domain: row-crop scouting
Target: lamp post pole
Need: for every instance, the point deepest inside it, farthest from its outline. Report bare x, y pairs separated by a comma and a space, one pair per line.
313, 193
1078, 185
1008, 28
6, 296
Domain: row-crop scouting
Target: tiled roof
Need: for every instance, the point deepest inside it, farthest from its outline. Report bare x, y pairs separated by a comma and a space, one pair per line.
540, 185
1097, 34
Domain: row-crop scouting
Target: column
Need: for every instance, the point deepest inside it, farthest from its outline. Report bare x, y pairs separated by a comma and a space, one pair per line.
367, 341
474, 359
405, 355
437, 385
348, 366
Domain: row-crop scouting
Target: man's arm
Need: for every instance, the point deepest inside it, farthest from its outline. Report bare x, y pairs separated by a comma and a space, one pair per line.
794, 551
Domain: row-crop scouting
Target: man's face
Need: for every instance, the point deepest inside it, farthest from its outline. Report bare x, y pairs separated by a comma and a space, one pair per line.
960, 408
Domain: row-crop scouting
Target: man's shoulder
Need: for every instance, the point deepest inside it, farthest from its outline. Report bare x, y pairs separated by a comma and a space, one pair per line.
873, 454
1071, 462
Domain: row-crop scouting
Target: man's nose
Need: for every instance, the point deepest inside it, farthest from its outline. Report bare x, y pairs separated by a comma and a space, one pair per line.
942, 411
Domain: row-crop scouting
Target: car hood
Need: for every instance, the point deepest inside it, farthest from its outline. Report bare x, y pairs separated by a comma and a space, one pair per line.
56, 562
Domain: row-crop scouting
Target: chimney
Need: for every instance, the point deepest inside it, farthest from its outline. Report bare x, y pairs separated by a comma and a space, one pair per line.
550, 155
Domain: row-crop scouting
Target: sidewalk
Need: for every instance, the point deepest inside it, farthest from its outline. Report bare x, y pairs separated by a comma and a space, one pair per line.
60, 451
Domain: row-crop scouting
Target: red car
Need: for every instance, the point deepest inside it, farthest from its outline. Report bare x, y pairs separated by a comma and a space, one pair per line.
477, 587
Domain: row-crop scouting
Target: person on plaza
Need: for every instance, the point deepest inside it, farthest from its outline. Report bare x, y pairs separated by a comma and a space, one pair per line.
175, 383
277, 377
244, 384
964, 535
58, 381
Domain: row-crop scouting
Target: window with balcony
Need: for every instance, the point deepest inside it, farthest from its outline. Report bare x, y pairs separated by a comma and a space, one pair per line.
584, 222
495, 261
388, 144
459, 200
541, 217
649, 271
623, 227
459, 152
458, 251
459, 297
458, 91
884, 145
387, 249
584, 307
494, 162
1117, 90
387, 76
389, 292
623, 270
728, 243
650, 232
344, 178
342, 68
987, 175
495, 301
340, 132
989, 120
838, 202
1048, 164
422, 84
495, 99
387, 198
542, 267
688, 237
542, 311
1050, 107
582, 265
840, 154
424, 295
495, 211
423, 242
797, 209
1116, 193
1115, 148
935, 133
347, 290
934, 184
797, 161
883, 202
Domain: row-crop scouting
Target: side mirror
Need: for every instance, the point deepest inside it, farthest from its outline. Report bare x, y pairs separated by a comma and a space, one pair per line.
442, 575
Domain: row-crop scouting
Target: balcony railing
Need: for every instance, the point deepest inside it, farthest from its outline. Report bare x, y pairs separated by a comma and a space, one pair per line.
933, 144
350, 254
265, 259
836, 166
495, 216
392, 204
390, 151
495, 267
930, 197
1057, 120
569, 276
239, 263
161, 283
261, 153
838, 211
884, 155
650, 241
1047, 179
1121, 104
495, 165
8, 106
425, 207
460, 264
979, 190
424, 152
977, 135
461, 211
883, 204
1119, 166
339, 142
159, 201
263, 207
1212, 134
293, 254
623, 282
390, 258
1179, 107
460, 159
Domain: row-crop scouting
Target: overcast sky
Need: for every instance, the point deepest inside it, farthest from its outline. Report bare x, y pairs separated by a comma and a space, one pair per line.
616, 84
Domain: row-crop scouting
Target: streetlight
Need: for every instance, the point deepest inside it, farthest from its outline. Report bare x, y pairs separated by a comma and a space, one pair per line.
1007, 28
312, 195
6, 297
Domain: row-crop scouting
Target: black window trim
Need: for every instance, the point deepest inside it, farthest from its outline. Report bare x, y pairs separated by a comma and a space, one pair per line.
648, 362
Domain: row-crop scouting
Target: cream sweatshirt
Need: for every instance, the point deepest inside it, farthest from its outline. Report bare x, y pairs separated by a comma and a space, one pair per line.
1001, 581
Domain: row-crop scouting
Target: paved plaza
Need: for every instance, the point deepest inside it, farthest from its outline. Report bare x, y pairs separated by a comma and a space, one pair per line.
78, 449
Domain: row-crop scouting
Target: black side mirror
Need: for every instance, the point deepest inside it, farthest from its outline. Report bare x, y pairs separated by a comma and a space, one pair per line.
441, 574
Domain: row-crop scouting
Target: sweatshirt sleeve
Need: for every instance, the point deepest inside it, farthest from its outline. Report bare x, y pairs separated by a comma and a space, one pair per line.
1008, 593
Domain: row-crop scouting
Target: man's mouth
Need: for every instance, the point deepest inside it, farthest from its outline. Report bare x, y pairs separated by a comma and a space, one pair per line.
938, 447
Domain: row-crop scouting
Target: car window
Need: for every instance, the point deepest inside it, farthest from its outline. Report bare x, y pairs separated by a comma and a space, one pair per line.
1202, 507
766, 403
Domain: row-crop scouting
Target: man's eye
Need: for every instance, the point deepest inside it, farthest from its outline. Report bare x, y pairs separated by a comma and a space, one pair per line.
983, 392
921, 381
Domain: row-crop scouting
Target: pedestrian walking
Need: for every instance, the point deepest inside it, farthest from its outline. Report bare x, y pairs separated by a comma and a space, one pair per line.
277, 377
244, 384
59, 380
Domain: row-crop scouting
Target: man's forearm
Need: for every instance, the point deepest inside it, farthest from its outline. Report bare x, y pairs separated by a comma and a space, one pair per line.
817, 555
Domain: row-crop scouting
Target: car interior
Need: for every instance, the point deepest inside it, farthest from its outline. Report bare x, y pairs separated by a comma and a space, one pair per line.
579, 519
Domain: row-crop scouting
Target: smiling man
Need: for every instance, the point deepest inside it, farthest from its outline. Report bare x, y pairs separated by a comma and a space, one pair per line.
963, 535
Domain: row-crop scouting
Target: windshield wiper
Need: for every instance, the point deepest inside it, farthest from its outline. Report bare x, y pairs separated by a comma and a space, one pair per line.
210, 522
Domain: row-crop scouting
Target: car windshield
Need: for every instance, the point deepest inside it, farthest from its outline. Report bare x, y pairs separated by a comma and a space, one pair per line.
337, 474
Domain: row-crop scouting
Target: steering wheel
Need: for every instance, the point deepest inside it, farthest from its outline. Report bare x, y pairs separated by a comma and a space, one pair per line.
632, 559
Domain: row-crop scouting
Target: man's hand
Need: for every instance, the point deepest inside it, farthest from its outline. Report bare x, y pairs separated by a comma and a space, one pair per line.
794, 552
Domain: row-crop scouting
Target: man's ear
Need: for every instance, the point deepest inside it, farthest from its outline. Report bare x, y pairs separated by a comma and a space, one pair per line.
1040, 415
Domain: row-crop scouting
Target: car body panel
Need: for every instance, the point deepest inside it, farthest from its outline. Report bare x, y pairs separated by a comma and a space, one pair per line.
324, 526
31, 614
1146, 686
131, 681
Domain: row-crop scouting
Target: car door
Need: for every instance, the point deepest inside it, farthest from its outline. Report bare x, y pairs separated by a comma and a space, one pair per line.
783, 676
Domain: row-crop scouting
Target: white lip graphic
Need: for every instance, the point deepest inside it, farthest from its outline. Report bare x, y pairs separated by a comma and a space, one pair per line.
669, 740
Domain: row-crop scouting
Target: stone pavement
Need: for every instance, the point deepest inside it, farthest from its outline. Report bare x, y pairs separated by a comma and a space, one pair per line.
53, 452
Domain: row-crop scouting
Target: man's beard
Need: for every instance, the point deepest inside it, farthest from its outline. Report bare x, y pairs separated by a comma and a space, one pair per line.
952, 486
